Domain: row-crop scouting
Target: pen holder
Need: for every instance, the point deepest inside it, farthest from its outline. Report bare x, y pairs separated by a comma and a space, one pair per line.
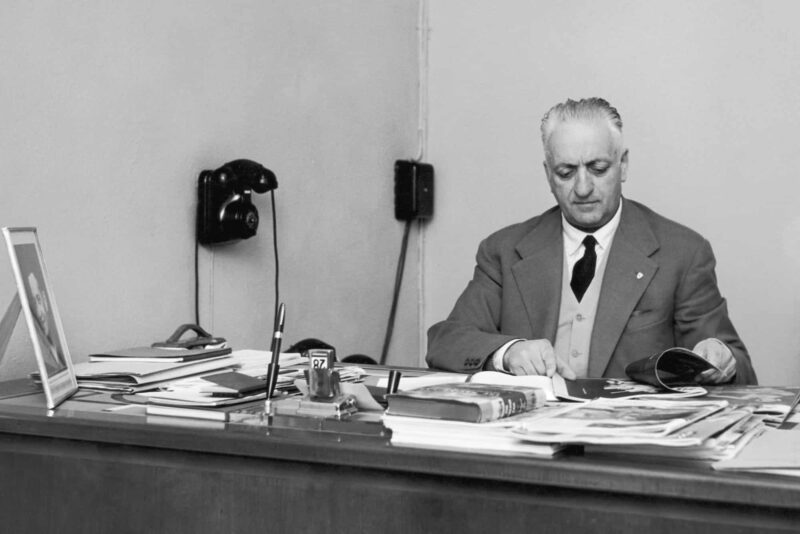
325, 398
323, 385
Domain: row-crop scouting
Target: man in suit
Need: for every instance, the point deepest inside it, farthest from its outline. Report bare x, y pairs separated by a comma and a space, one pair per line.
593, 284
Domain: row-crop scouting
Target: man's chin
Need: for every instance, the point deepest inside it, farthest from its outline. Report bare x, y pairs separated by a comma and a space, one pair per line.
586, 224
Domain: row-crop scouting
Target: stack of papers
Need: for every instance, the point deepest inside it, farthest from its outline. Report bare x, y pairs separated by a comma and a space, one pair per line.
622, 422
717, 437
126, 376
132, 377
774, 451
494, 437
198, 391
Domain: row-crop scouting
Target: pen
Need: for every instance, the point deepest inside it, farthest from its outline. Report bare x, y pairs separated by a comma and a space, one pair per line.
277, 335
273, 368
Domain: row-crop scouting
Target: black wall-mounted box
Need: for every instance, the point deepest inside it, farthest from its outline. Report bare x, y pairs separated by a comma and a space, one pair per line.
413, 190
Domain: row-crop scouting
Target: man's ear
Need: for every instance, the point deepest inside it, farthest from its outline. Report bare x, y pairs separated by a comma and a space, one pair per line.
623, 163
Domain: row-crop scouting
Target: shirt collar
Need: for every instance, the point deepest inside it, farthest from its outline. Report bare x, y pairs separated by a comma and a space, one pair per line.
573, 238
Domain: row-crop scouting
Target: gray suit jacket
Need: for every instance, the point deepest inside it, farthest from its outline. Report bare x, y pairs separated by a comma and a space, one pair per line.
659, 291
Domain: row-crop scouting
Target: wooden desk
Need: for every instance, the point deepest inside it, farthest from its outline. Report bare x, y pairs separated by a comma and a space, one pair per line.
79, 469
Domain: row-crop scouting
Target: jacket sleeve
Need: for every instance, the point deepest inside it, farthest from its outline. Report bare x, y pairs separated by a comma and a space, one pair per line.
469, 336
701, 312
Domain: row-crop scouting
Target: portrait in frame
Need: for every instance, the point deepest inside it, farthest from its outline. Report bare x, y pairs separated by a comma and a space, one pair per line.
41, 315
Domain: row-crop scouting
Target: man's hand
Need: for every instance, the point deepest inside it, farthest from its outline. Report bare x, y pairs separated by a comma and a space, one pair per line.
718, 353
535, 357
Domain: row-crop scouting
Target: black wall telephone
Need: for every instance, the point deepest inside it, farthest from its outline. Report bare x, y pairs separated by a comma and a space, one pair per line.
225, 211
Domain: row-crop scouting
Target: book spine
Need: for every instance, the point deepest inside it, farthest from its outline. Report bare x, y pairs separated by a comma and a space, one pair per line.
510, 403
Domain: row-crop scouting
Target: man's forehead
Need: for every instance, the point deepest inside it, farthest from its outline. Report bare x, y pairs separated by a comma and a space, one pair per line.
582, 140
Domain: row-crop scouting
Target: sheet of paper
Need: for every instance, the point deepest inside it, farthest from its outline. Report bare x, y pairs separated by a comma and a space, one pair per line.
774, 449
432, 379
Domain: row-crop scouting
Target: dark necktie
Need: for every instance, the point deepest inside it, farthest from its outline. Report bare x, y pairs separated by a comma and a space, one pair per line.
583, 272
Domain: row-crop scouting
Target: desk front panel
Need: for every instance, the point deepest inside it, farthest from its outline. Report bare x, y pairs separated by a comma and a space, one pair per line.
90, 471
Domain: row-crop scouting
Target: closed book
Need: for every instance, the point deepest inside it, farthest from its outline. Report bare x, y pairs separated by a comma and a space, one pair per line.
156, 354
469, 402
222, 411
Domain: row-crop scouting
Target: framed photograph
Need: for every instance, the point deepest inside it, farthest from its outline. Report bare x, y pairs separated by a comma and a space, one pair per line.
41, 315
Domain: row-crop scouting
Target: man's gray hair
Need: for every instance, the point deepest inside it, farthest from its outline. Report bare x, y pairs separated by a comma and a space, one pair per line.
585, 108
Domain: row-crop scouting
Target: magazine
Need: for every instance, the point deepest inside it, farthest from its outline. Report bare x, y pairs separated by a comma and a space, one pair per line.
617, 421
670, 369
719, 436
585, 389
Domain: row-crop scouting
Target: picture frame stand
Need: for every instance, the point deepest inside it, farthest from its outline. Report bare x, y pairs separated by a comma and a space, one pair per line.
35, 300
8, 323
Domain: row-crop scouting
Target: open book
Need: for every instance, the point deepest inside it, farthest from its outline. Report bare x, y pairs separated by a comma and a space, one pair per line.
668, 374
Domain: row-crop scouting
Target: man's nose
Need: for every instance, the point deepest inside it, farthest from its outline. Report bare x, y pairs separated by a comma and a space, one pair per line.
584, 185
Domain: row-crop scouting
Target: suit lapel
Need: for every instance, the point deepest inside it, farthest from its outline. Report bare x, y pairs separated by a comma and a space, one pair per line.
538, 275
629, 270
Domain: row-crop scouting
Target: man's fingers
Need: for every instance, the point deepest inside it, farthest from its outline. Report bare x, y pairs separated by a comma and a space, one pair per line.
549, 360
705, 376
524, 367
711, 376
533, 357
538, 364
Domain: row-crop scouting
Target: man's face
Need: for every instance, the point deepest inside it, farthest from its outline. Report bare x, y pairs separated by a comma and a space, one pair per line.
585, 167
40, 303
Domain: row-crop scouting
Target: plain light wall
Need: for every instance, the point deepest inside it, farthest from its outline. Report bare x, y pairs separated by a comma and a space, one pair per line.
110, 110
708, 94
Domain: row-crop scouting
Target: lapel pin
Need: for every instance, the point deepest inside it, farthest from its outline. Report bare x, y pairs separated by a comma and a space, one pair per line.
639, 276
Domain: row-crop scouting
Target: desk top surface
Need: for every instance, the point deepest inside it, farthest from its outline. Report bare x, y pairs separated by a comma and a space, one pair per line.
364, 443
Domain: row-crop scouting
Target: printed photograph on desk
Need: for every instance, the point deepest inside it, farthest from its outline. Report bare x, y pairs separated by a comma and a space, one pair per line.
770, 401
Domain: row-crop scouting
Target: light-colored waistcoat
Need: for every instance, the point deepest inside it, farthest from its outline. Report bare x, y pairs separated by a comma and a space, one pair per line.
576, 320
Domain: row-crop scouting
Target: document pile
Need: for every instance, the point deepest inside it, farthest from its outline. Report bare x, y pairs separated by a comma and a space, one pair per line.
246, 383
681, 428
126, 375
134, 376
432, 420
494, 437
775, 451
219, 396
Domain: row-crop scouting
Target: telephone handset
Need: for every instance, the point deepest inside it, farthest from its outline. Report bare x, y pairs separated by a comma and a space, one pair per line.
202, 339
225, 211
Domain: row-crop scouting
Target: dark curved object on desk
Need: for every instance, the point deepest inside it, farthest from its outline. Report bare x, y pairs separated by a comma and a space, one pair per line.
359, 359
309, 343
